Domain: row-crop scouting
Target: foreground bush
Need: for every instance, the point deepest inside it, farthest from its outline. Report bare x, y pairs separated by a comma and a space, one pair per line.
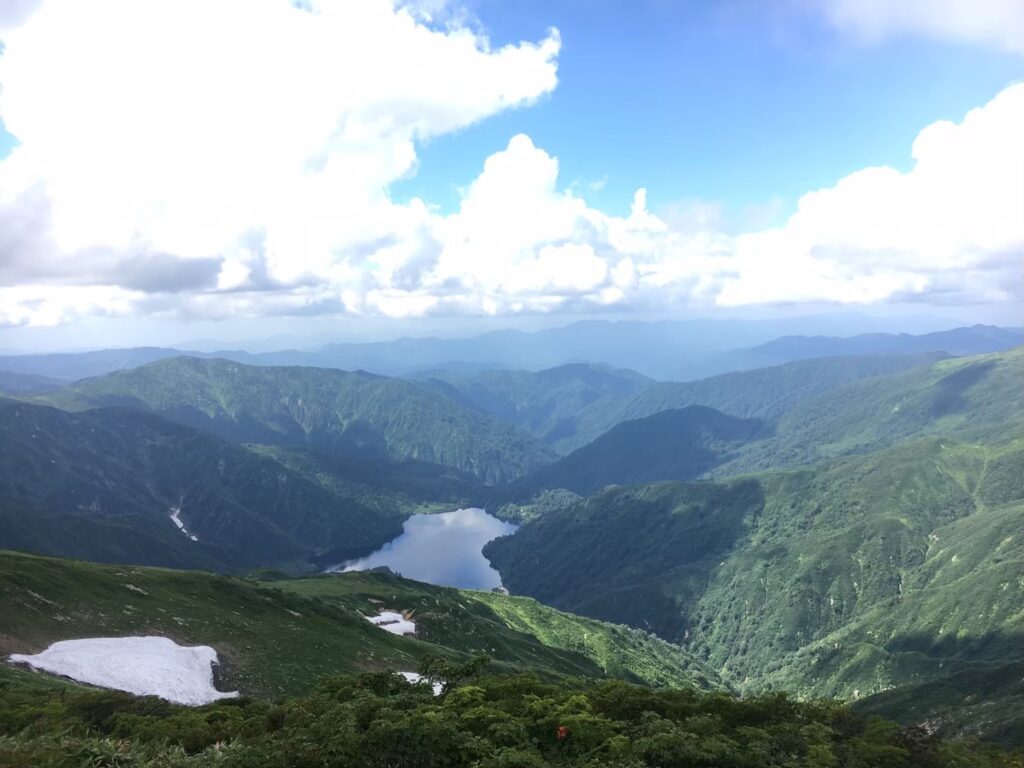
500, 722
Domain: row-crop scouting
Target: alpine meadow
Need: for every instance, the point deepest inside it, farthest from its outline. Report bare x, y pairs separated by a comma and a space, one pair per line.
490, 384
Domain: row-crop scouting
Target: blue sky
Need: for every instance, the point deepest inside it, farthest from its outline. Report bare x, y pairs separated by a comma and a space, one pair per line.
249, 167
735, 102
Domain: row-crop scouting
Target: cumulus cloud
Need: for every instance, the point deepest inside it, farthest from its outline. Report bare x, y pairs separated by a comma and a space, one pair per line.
997, 23
181, 127
234, 159
955, 219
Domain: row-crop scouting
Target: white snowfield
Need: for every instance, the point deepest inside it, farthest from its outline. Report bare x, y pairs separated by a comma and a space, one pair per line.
176, 519
145, 666
393, 622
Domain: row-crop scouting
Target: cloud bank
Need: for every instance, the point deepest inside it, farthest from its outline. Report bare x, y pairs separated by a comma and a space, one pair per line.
182, 158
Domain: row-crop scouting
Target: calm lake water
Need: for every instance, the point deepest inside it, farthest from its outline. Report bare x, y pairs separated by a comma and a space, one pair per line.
441, 549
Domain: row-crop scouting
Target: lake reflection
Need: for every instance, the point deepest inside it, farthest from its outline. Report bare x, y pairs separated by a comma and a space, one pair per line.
441, 549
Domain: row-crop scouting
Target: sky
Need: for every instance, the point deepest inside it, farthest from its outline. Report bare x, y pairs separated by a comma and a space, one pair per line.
243, 168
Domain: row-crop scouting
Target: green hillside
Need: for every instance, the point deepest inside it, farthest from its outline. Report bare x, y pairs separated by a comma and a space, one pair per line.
948, 397
355, 415
280, 637
892, 569
494, 624
545, 403
765, 393
103, 484
954, 705
670, 445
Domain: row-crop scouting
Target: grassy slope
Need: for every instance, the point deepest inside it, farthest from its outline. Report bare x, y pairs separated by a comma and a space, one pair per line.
891, 569
494, 624
270, 643
278, 638
349, 414
619, 650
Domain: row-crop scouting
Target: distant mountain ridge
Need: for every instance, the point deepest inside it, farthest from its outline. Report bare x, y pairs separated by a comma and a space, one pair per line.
19, 383
542, 402
678, 350
974, 340
336, 412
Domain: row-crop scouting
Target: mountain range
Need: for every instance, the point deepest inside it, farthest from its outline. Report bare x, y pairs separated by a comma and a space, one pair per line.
664, 350
843, 526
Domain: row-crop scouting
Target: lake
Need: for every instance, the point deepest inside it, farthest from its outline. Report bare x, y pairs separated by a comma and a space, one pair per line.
441, 549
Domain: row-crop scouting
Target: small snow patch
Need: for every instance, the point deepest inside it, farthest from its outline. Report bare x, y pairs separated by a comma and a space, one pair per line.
176, 519
140, 590
40, 598
393, 622
412, 677
145, 666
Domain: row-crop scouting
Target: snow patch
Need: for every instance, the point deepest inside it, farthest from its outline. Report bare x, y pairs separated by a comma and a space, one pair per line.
145, 666
176, 519
412, 677
393, 622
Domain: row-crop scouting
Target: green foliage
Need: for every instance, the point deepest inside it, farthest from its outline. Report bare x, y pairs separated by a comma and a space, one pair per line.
338, 413
381, 720
893, 569
544, 502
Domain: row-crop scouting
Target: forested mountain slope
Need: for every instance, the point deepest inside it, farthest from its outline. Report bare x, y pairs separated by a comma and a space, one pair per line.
765, 393
870, 572
345, 414
103, 484
679, 444
545, 403
948, 397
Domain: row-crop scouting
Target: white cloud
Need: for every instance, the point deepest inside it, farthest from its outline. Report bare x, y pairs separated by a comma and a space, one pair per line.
244, 130
234, 159
951, 226
998, 23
